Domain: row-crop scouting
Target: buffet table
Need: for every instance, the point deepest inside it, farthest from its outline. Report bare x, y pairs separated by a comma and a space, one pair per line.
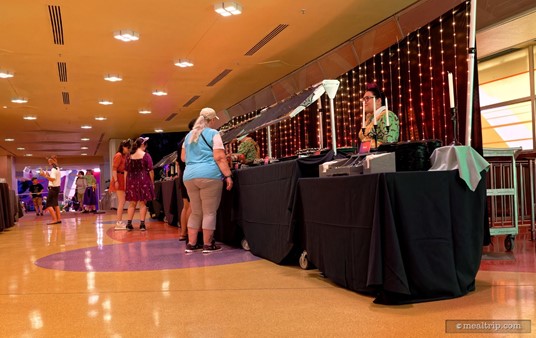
266, 204
168, 202
404, 237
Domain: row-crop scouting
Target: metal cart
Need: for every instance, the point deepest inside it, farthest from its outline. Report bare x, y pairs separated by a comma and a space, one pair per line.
502, 190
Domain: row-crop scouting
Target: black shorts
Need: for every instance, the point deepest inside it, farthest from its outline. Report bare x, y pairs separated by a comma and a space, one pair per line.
53, 196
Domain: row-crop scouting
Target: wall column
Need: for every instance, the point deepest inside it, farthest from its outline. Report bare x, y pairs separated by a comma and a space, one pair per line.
7, 171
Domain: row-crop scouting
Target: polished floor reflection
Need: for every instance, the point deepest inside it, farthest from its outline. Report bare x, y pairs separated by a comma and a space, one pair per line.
83, 279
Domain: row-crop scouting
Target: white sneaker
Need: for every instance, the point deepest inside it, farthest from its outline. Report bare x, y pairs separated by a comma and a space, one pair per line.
119, 225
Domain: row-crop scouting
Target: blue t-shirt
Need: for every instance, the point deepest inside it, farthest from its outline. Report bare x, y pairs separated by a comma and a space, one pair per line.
200, 157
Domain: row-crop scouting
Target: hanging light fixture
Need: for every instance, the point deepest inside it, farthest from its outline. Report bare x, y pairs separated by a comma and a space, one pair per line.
126, 35
228, 8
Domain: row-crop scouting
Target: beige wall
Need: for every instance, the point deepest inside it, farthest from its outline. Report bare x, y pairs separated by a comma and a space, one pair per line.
7, 170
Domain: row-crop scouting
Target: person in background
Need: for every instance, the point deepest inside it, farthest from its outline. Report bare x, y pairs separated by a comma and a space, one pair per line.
90, 195
375, 98
206, 167
117, 184
81, 185
35, 189
54, 183
186, 210
139, 177
248, 151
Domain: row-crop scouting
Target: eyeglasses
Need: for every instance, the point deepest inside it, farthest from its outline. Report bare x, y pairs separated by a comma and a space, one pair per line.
366, 98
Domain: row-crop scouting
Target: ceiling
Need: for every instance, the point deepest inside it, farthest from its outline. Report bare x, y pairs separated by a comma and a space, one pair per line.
60, 67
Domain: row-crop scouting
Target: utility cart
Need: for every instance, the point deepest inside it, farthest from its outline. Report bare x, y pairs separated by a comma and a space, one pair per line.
503, 193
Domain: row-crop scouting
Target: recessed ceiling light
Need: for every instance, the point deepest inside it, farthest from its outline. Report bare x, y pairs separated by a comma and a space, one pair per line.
84, 139
30, 117
19, 100
28, 155
4, 74
113, 78
83, 154
228, 8
159, 93
86, 126
183, 63
159, 130
144, 111
101, 118
84, 148
126, 35
105, 102
21, 148
9, 139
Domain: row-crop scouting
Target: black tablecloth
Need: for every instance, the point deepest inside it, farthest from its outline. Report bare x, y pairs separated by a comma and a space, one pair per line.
228, 229
6, 211
168, 203
406, 237
259, 205
266, 203
156, 207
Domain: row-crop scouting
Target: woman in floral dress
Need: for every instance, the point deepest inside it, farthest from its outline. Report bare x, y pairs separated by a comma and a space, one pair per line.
139, 177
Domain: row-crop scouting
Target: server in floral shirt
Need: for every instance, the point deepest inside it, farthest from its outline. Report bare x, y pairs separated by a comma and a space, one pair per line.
250, 149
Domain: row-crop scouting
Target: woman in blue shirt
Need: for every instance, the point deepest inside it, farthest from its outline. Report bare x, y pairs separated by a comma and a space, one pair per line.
206, 167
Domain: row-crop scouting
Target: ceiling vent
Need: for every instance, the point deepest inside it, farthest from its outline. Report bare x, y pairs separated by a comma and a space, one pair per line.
171, 117
266, 39
62, 71
55, 22
219, 77
99, 144
191, 100
66, 99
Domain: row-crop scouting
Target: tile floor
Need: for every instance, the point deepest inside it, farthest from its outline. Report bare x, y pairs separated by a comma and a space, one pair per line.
83, 279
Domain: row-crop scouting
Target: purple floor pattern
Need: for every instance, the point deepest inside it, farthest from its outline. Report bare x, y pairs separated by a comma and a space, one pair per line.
141, 256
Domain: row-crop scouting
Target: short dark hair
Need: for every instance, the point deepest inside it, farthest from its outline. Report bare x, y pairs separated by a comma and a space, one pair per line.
374, 89
125, 143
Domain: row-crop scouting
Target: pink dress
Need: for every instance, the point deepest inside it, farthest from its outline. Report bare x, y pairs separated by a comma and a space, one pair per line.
139, 185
